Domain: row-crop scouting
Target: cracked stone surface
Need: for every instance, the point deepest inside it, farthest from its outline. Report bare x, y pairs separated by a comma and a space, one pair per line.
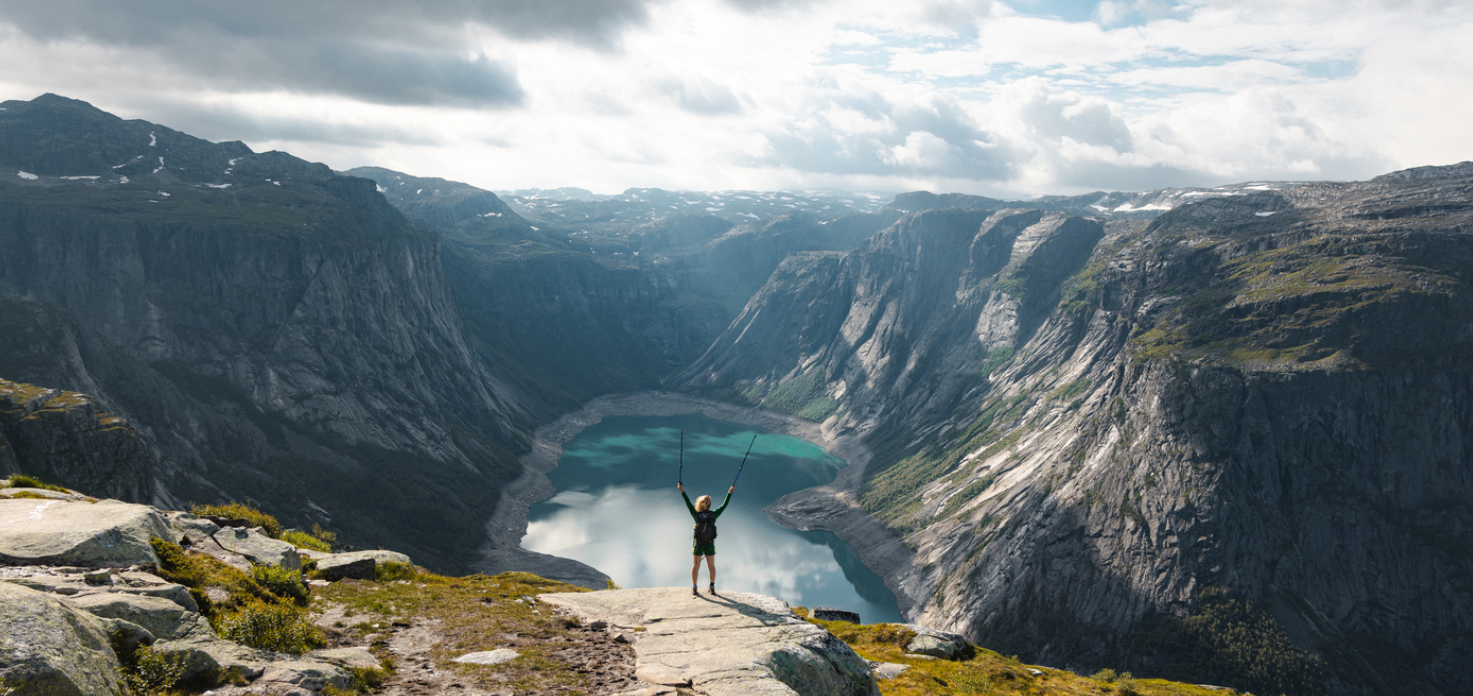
733, 643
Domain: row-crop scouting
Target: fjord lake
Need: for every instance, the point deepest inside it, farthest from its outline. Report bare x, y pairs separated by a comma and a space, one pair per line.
617, 509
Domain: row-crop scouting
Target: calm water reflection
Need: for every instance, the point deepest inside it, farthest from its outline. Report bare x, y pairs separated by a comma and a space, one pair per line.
617, 509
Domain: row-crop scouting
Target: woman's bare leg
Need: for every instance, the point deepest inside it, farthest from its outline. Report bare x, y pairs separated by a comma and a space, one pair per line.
711, 566
695, 570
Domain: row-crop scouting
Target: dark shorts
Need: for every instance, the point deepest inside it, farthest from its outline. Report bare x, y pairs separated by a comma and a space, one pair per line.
704, 549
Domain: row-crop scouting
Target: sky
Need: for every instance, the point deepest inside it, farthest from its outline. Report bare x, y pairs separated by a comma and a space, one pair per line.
1007, 98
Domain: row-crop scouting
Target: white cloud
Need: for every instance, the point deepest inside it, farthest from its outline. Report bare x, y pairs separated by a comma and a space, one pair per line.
960, 95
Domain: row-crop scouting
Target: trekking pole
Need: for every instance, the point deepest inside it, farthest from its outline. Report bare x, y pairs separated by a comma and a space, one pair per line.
744, 461
680, 477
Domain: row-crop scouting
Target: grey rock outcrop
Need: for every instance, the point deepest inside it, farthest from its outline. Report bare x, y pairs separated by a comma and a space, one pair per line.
737, 643
69, 438
256, 547
948, 646
47, 647
270, 329
64, 533
162, 618
73, 582
488, 657
357, 657
362, 565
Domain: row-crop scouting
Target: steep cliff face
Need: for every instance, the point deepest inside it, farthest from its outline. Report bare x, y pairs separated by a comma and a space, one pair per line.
569, 313
1185, 445
308, 324
903, 325
67, 437
564, 320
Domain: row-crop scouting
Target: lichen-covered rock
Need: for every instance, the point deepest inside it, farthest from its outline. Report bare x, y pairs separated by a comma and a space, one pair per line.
207, 656
735, 644
56, 532
258, 548
162, 617
47, 647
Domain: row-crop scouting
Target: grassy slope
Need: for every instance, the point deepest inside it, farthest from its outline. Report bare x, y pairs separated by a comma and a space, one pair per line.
478, 613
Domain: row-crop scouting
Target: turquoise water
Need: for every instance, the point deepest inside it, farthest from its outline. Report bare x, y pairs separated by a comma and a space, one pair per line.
617, 509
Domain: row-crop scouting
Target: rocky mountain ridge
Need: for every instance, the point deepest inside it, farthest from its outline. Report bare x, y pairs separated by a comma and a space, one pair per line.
1096, 438
1120, 428
265, 324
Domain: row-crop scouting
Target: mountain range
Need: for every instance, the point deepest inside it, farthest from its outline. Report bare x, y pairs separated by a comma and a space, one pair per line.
1215, 435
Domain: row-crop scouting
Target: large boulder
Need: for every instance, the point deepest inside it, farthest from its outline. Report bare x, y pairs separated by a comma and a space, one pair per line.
361, 565
206, 656
735, 643
933, 643
47, 647
258, 548
162, 617
68, 533
73, 582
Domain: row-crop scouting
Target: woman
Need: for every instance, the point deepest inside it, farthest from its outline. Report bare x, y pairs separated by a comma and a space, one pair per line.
705, 535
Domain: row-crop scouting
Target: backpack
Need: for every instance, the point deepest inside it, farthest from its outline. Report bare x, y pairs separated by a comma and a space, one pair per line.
705, 527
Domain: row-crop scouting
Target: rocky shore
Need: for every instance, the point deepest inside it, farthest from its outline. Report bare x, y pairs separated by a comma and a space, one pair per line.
833, 507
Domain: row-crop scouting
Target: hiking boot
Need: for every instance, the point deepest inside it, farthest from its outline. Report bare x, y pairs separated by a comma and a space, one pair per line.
693, 591
713, 588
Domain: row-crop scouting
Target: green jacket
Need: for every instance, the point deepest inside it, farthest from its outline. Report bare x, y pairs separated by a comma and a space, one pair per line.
692, 508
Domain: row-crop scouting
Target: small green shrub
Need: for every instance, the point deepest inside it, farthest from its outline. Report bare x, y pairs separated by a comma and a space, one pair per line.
279, 627
23, 481
149, 672
368, 679
388, 572
326, 536
198, 571
203, 601
610, 584
1105, 676
240, 511
303, 540
282, 582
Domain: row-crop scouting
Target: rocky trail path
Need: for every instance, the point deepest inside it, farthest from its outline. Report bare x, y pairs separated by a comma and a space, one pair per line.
730, 644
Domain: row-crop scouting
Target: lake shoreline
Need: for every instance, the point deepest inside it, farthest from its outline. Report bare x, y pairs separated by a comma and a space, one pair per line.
832, 507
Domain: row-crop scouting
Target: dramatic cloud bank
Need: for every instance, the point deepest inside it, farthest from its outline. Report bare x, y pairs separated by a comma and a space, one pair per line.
1002, 98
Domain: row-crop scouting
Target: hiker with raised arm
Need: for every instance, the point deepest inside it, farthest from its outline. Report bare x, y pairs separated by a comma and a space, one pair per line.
705, 535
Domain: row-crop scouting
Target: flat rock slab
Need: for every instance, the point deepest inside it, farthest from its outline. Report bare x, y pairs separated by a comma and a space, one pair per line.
67, 533
489, 657
887, 670
258, 548
162, 617
359, 657
733, 644
360, 565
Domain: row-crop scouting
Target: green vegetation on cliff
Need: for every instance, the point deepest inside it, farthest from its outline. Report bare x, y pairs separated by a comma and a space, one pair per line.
987, 672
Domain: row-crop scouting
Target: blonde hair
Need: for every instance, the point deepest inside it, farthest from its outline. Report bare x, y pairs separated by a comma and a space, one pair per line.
703, 503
